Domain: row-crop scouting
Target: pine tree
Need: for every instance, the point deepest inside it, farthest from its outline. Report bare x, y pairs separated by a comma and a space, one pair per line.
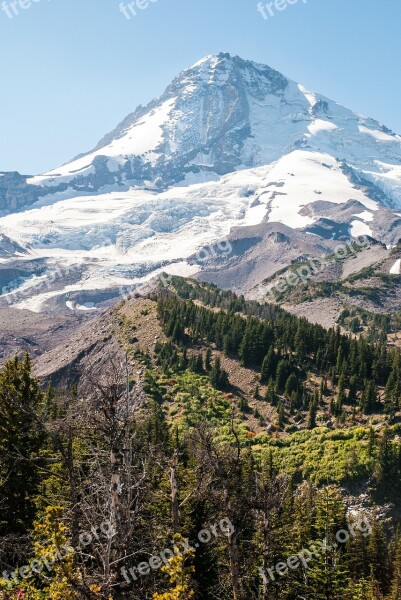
177, 334
372, 442
386, 460
327, 574
282, 375
339, 362
357, 590
291, 385
271, 395
357, 556
378, 556
341, 397
199, 363
208, 360
51, 548
395, 593
21, 438
312, 414
369, 398
281, 414
219, 377
268, 366
184, 361
246, 348
374, 591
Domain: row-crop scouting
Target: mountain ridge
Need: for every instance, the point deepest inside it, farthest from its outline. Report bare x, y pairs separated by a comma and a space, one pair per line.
230, 144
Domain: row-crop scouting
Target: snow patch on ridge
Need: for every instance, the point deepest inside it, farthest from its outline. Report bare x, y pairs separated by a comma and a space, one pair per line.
396, 268
140, 139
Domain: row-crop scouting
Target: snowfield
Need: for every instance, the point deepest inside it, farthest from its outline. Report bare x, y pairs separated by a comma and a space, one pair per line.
230, 143
136, 230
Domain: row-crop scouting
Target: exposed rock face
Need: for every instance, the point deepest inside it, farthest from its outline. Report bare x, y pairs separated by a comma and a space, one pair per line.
224, 114
231, 150
15, 193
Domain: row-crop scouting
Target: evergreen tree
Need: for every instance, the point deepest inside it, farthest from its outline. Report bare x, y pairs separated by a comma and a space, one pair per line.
271, 395
219, 377
208, 360
184, 363
177, 334
312, 414
341, 397
386, 460
179, 573
357, 557
199, 363
291, 385
395, 593
21, 438
378, 557
327, 574
268, 366
282, 375
281, 414
369, 398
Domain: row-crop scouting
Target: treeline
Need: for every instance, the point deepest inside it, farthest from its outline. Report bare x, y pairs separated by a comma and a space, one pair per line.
104, 475
174, 359
283, 348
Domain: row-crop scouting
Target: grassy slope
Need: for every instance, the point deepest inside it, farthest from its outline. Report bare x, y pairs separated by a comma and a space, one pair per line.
337, 454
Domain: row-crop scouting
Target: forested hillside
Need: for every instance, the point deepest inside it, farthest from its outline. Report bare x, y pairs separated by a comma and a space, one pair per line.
228, 450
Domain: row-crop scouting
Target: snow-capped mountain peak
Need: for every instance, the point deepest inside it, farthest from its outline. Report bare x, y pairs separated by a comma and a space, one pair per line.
200, 123
224, 114
230, 144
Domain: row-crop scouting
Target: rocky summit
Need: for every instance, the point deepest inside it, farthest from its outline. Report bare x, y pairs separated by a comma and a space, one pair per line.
233, 150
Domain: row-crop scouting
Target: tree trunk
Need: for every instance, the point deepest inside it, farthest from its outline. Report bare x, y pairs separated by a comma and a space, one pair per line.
234, 572
266, 525
174, 494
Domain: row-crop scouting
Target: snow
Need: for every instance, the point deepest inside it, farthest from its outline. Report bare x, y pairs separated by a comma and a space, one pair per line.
396, 268
101, 281
319, 125
378, 135
83, 307
119, 238
308, 95
365, 216
287, 159
358, 228
129, 231
297, 177
278, 122
142, 138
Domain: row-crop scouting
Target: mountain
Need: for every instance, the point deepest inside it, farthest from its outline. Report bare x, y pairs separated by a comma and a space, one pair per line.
225, 114
231, 150
203, 410
200, 411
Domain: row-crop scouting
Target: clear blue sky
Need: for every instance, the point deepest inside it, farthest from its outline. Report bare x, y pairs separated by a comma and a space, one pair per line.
72, 69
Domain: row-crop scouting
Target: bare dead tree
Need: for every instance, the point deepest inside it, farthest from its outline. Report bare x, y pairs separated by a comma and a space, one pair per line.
269, 504
110, 417
175, 507
223, 464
